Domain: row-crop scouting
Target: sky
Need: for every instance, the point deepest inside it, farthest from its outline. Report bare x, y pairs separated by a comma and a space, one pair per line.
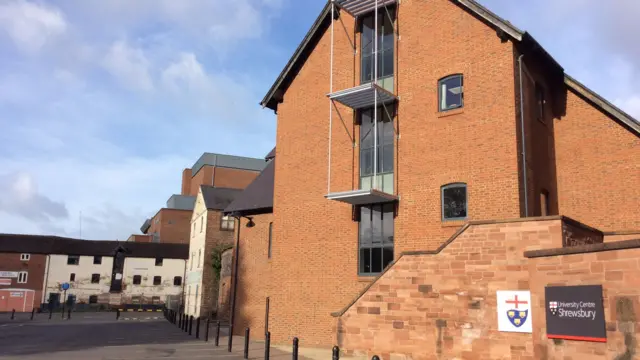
104, 103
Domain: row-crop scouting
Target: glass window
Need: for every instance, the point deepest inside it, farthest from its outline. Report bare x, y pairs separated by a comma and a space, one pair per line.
177, 280
95, 278
385, 38
72, 277
73, 260
227, 223
159, 261
157, 280
384, 150
25, 257
93, 299
22, 277
97, 260
454, 202
375, 238
137, 279
450, 92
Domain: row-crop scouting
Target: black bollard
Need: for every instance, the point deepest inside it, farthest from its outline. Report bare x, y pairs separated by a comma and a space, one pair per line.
336, 353
267, 345
33, 313
69, 314
180, 320
375, 357
117, 314
198, 328
206, 331
295, 349
13, 314
50, 313
246, 343
217, 333
190, 324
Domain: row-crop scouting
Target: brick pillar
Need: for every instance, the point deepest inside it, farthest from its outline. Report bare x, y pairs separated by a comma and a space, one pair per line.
186, 181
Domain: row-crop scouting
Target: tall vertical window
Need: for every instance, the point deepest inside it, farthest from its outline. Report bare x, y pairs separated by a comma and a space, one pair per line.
454, 201
270, 240
201, 222
385, 37
25, 257
22, 277
450, 92
384, 149
375, 238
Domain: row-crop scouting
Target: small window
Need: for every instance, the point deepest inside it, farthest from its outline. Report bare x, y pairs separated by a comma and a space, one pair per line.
25, 257
454, 202
135, 300
450, 93
155, 300
177, 280
157, 280
201, 222
227, 223
159, 261
93, 299
72, 277
270, 240
137, 279
544, 203
95, 278
199, 258
192, 261
22, 277
540, 101
97, 260
193, 233
73, 260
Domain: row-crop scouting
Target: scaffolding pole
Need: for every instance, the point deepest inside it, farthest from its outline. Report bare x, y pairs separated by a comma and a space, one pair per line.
375, 99
330, 102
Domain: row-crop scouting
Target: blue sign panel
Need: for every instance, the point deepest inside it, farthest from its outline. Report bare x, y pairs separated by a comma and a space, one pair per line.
65, 286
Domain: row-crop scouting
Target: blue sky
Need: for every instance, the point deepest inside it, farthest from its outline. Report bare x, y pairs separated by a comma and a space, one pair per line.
103, 103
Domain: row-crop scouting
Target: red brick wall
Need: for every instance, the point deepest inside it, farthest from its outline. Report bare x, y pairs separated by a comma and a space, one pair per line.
172, 225
433, 150
186, 182
597, 163
204, 176
36, 268
234, 178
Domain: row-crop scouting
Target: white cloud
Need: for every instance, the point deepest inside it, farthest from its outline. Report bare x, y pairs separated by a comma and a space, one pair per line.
31, 26
129, 65
20, 196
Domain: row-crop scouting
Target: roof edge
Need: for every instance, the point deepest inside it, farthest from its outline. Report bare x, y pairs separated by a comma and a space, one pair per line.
602, 103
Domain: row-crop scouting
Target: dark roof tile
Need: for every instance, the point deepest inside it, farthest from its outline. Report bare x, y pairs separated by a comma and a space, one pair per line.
257, 198
218, 198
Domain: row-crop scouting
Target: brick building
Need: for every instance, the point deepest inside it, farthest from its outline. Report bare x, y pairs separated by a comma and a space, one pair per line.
109, 273
171, 224
470, 136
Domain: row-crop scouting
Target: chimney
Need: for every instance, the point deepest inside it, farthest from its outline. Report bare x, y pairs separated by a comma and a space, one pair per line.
186, 181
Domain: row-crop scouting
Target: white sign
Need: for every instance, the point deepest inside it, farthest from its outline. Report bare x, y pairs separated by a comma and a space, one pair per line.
16, 294
514, 311
5, 281
118, 276
9, 274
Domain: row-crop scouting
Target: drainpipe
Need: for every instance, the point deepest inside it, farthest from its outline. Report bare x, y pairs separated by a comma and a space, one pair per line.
46, 280
524, 147
235, 282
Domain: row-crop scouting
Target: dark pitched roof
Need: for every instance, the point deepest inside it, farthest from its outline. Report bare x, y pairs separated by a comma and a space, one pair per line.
276, 92
44, 244
257, 198
218, 198
271, 155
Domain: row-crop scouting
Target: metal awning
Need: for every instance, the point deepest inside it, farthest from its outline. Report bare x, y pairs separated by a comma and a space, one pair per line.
362, 96
362, 197
359, 7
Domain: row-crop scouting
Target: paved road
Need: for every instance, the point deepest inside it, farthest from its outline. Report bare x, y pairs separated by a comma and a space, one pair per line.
100, 336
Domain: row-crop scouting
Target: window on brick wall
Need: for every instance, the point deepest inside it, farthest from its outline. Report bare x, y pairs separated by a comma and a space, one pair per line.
450, 92
270, 240
385, 38
25, 257
227, 223
375, 241
384, 148
22, 277
177, 280
454, 201
137, 279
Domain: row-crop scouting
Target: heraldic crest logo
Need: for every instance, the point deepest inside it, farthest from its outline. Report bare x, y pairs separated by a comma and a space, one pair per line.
518, 317
553, 307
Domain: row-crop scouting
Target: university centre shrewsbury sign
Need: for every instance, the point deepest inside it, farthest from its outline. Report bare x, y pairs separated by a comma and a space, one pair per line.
575, 313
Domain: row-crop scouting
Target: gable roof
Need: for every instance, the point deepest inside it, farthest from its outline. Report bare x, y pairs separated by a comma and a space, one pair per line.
271, 155
277, 90
257, 198
56, 245
218, 198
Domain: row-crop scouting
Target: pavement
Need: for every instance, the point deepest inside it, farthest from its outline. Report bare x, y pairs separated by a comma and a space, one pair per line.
101, 336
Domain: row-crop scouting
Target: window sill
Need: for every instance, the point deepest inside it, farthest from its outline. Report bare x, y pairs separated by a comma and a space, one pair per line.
453, 223
362, 278
451, 112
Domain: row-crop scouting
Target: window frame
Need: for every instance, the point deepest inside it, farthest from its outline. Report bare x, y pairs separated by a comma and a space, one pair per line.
138, 277
177, 281
159, 261
466, 195
383, 143
69, 257
97, 257
25, 257
441, 81
93, 278
229, 221
23, 277
382, 51
159, 282
382, 245
270, 240
72, 277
